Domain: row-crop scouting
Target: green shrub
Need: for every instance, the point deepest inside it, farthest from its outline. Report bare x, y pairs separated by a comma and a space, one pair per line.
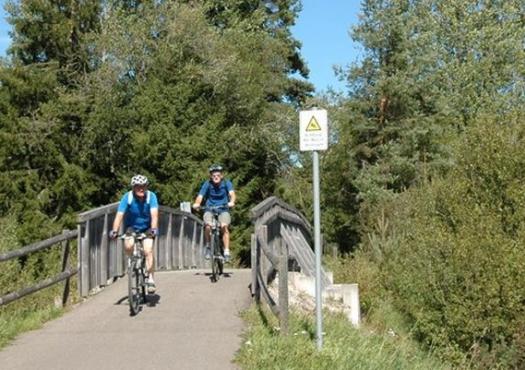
457, 265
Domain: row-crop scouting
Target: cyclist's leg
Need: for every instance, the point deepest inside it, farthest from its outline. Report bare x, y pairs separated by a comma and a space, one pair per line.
225, 219
150, 263
128, 245
208, 220
150, 258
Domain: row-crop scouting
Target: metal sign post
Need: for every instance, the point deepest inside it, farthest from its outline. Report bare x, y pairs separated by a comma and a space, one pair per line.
313, 135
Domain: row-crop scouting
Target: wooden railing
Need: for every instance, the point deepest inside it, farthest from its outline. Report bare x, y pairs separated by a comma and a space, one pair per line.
101, 260
65, 274
282, 239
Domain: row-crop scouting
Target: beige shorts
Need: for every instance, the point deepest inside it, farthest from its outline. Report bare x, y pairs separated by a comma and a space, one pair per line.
224, 218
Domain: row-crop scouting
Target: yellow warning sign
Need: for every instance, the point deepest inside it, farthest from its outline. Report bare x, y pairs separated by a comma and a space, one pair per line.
313, 125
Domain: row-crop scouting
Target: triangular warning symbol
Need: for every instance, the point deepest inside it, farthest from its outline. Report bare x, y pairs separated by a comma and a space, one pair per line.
313, 125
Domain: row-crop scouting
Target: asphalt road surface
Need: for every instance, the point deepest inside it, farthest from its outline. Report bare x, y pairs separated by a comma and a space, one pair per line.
189, 323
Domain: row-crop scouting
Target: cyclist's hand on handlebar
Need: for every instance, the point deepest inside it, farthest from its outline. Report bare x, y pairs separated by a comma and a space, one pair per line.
154, 232
196, 206
231, 204
113, 234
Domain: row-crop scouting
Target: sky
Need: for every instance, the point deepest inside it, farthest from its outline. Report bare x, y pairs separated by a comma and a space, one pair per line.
322, 27
5, 40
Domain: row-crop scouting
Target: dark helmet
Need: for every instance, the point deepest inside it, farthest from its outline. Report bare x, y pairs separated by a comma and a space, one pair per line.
215, 168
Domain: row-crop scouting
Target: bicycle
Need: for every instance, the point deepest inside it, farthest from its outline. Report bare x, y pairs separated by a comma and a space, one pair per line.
216, 246
136, 273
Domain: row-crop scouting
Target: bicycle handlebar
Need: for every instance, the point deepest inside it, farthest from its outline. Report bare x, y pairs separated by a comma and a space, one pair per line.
213, 209
137, 236
216, 208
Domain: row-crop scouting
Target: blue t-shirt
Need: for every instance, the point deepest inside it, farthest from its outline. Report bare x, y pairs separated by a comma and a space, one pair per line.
138, 213
216, 195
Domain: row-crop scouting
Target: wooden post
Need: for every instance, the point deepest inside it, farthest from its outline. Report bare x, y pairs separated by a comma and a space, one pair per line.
156, 249
65, 263
201, 247
194, 246
83, 252
186, 245
283, 287
121, 255
95, 249
253, 263
104, 252
169, 243
181, 245
263, 237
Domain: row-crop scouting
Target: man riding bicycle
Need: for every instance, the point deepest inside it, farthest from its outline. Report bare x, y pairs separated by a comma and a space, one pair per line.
141, 210
218, 192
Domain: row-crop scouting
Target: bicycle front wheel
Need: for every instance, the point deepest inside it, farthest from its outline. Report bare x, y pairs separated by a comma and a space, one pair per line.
220, 259
134, 293
214, 259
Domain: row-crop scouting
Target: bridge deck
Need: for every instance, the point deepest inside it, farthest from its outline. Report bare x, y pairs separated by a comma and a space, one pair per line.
192, 324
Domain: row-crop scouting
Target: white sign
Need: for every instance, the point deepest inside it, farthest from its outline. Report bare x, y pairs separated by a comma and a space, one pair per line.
313, 130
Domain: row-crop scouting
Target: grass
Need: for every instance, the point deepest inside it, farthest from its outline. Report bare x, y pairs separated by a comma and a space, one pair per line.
11, 325
344, 347
32, 311
29, 313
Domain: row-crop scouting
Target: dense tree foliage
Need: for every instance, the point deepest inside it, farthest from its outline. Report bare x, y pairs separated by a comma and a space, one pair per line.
430, 145
97, 91
429, 70
421, 181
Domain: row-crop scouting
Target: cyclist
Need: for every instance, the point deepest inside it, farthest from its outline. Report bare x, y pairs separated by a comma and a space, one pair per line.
141, 210
218, 192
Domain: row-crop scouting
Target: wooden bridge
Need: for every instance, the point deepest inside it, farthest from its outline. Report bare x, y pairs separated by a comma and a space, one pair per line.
189, 323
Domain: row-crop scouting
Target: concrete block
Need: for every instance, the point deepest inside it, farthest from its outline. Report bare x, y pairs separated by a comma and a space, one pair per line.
330, 276
302, 282
333, 291
351, 299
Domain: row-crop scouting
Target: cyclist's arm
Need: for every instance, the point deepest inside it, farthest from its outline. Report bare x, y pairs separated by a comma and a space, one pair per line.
203, 190
231, 193
122, 207
198, 201
154, 218
154, 211
118, 220
232, 196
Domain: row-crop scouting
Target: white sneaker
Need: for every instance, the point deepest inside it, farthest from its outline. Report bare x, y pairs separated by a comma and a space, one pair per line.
150, 284
207, 252
226, 255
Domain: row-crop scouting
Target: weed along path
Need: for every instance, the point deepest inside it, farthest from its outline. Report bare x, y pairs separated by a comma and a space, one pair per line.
191, 323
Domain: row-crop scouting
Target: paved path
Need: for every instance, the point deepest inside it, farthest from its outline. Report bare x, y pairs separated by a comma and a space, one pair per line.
192, 324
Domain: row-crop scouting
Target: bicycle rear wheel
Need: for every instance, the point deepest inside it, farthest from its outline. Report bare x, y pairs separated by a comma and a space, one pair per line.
134, 289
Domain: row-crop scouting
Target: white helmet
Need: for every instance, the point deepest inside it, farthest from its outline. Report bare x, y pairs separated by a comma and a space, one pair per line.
139, 180
215, 168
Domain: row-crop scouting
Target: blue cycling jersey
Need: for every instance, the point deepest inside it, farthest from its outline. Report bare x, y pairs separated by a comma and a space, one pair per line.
216, 195
138, 213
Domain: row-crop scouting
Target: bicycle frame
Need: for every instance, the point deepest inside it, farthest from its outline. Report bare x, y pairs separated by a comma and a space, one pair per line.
136, 273
216, 245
